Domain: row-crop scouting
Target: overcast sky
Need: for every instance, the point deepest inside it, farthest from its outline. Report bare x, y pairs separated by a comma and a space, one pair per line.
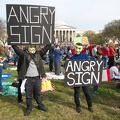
82, 14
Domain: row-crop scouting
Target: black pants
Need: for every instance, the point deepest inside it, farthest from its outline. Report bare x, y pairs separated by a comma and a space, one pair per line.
19, 90
33, 86
51, 63
87, 95
111, 62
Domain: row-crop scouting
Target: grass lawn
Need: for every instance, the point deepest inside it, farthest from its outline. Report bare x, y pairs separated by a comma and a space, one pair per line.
60, 104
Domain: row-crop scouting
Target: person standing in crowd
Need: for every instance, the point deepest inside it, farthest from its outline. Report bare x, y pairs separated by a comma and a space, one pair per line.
90, 49
51, 54
94, 50
32, 69
69, 53
111, 55
5, 62
97, 56
57, 59
118, 52
73, 50
85, 49
16, 57
10, 54
1, 65
105, 56
81, 56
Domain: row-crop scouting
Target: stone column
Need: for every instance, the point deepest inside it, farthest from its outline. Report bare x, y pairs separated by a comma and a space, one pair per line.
68, 35
58, 34
71, 35
62, 35
55, 32
65, 34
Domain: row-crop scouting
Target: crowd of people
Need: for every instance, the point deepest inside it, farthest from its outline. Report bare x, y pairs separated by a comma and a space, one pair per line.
30, 66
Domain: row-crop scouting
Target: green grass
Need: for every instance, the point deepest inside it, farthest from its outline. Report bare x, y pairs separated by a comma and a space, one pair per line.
61, 104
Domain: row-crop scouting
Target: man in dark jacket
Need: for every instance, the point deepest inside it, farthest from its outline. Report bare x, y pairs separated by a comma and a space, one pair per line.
51, 53
20, 80
32, 69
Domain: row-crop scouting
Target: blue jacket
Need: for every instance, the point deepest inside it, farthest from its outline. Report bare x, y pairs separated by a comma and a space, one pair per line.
57, 55
79, 57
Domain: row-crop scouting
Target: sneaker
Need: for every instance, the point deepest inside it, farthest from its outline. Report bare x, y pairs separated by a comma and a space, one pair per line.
20, 101
27, 113
96, 92
43, 108
78, 109
90, 109
2, 90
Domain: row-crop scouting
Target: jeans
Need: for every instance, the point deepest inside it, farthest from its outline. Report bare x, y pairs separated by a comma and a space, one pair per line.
105, 60
15, 59
5, 64
57, 65
95, 88
87, 95
32, 86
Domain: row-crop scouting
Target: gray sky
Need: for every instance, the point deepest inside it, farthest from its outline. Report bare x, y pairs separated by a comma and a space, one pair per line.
82, 14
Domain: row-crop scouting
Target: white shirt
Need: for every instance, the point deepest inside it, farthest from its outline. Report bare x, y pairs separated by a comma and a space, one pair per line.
114, 72
94, 50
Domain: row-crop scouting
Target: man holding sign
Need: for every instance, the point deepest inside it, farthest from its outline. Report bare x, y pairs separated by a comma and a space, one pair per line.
79, 71
32, 69
31, 25
80, 56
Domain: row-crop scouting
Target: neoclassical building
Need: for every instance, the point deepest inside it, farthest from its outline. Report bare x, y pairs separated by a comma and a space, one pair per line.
64, 32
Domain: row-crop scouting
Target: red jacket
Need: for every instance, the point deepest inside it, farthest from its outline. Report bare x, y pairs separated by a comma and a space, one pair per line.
111, 52
104, 52
73, 51
84, 50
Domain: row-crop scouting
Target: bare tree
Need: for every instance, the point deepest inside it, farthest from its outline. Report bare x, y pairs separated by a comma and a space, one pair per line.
3, 33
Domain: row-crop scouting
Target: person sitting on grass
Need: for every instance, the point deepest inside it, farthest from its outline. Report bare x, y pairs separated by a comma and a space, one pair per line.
115, 71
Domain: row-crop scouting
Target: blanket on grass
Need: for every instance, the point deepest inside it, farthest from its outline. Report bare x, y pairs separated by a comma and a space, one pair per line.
11, 88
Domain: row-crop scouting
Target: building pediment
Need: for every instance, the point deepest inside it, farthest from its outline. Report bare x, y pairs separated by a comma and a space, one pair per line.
64, 27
